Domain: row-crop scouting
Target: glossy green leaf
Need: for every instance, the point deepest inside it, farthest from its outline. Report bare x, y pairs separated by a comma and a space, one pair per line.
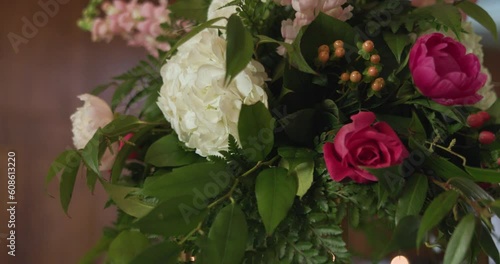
97, 250
91, 179
190, 9
200, 180
470, 189
397, 43
163, 252
229, 234
416, 129
413, 197
275, 192
300, 164
404, 235
256, 131
122, 125
67, 184
208, 251
239, 47
60, 163
92, 152
127, 200
487, 244
168, 152
484, 175
295, 58
177, 216
480, 15
436, 211
451, 112
460, 240
126, 246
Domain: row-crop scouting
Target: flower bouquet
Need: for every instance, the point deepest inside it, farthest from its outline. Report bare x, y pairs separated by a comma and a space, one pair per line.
262, 131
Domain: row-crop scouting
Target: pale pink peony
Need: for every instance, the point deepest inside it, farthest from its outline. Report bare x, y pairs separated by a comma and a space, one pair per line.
363, 143
443, 71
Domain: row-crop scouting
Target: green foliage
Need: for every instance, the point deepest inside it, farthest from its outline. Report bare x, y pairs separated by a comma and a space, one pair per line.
229, 235
396, 43
275, 192
480, 15
168, 152
191, 9
239, 48
300, 164
126, 246
127, 200
256, 131
67, 183
163, 252
413, 197
460, 240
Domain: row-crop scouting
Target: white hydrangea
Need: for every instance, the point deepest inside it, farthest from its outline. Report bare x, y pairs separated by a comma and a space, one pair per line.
218, 8
202, 111
95, 113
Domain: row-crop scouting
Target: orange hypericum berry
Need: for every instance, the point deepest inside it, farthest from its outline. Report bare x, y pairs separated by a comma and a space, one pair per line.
323, 56
375, 59
339, 52
344, 76
372, 71
355, 77
368, 46
377, 86
338, 44
323, 48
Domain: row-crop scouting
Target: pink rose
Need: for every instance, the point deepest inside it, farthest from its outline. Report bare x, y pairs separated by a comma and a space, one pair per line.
443, 71
361, 144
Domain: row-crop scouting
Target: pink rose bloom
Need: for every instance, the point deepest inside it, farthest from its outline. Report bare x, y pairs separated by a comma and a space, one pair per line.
361, 144
443, 71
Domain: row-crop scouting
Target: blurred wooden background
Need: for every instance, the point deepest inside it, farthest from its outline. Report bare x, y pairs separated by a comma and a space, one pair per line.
38, 88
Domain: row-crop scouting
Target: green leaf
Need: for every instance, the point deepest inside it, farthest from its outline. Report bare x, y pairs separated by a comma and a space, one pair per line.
494, 112
417, 130
168, 152
177, 216
483, 175
122, 91
200, 180
124, 198
436, 211
67, 184
229, 233
256, 131
92, 151
397, 43
275, 192
451, 112
413, 198
480, 15
208, 251
97, 250
163, 252
404, 235
487, 244
123, 125
300, 164
91, 179
126, 246
446, 14
61, 162
460, 240
239, 47
470, 189
190, 9
295, 58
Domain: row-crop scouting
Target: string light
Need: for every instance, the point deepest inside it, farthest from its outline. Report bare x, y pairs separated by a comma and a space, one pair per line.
400, 260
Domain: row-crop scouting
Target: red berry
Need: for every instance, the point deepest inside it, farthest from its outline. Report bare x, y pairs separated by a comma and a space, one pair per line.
475, 120
486, 137
372, 71
486, 117
323, 56
368, 46
375, 59
344, 76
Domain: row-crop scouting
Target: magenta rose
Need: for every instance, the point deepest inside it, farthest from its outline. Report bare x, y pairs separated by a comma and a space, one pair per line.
363, 144
443, 71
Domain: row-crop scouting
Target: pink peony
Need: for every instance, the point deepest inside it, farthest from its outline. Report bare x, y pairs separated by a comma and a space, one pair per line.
361, 144
443, 71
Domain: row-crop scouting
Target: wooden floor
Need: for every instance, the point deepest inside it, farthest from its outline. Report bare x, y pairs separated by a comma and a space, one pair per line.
38, 89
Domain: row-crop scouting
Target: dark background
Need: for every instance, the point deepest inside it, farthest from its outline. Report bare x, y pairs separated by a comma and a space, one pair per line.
38, 89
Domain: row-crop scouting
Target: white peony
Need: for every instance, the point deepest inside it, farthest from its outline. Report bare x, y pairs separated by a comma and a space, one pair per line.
218, 8
202, 111
95, 113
